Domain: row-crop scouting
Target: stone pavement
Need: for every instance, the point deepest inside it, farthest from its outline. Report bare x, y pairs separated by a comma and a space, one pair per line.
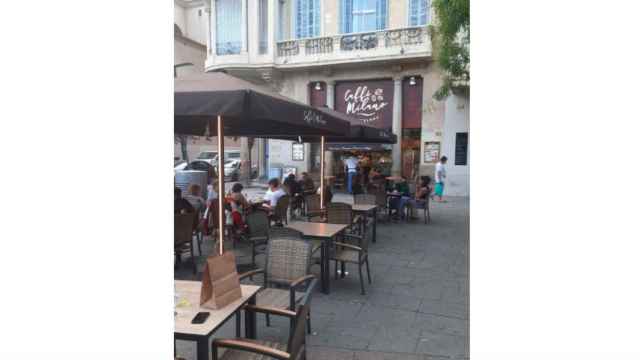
417, 306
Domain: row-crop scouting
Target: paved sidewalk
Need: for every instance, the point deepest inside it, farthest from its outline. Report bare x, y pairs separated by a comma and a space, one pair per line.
416, 308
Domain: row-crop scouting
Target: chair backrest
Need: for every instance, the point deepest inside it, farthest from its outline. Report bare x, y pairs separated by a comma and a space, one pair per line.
281, 207
182, 228
258, 223
284, 233
313, 202
287, 260
381, 198
339, 213
297, 337
364, 199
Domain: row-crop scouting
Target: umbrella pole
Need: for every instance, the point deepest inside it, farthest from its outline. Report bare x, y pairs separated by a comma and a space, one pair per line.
322, 172
221, 217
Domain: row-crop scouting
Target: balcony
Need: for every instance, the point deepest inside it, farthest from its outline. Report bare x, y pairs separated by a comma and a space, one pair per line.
384, 45
369, 46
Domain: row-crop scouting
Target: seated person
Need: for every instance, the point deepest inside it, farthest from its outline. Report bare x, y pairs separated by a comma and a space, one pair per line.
194, 198
272, 195
238, 204
421, 195
294, 187
307, 183
180, 205
402, 188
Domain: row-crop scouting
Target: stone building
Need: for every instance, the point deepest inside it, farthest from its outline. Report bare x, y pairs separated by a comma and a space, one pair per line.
372, 59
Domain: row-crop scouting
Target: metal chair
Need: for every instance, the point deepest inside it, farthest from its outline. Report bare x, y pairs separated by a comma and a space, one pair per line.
183, 237
258, 234
248, 349
287, 282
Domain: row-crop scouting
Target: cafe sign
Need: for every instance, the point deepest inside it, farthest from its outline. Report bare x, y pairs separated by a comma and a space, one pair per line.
370, 101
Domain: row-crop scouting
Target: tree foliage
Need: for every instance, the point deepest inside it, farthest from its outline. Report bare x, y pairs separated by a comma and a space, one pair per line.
451, 37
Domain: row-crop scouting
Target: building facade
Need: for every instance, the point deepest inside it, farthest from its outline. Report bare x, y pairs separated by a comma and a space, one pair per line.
372, 59
190, 52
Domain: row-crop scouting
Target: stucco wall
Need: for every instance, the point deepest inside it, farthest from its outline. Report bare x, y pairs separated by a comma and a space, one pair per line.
456, 120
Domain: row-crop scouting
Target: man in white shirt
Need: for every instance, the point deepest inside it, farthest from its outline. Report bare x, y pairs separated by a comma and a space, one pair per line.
351, 163
441, 174
274, 194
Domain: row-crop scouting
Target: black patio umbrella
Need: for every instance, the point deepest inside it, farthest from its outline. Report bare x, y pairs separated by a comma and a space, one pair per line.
247, 109
218, 104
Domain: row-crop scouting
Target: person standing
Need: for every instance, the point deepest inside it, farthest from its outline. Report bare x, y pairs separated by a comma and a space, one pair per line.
441, 175
351, 163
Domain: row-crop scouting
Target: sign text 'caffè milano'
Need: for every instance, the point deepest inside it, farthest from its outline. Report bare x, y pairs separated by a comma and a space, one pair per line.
370, 101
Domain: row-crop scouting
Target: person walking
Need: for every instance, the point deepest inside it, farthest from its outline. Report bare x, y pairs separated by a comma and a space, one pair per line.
351, 163
441, 175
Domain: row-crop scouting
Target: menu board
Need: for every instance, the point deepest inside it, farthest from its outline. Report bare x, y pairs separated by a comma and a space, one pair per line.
297, 152
462, 146
431, 151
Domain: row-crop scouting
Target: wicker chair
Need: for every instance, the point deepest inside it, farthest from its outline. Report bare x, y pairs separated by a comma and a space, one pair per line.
183, 237
341, 213
354, 254
284, 233
279, 215
258, 234
313, 210
286, 266
365, 199
248, 349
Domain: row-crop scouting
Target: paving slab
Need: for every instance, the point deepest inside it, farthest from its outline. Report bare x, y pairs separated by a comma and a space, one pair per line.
417, 307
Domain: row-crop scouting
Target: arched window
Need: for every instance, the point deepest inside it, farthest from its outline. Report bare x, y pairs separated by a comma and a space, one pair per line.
418, 12
363, 15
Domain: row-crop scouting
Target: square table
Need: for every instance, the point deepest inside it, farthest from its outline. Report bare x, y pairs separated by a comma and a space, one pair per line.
200, 333
367, 210
326, 233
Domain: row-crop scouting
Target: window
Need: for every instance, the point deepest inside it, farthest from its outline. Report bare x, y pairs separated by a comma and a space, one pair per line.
418, 12
228, 27
307, 18
263, 26
462, 146
363, 15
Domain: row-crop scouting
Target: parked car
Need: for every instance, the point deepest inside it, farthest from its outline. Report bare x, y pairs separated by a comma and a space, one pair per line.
208, 156
232, 169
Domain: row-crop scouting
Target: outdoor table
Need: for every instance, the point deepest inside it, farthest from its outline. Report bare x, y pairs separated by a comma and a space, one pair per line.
367, 210
326, 233
200, 333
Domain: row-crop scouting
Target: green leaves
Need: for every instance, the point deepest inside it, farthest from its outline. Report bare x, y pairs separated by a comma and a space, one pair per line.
451, 37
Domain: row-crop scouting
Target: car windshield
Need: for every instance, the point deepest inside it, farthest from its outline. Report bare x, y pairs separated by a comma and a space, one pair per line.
233, 155
207, 155
229, 162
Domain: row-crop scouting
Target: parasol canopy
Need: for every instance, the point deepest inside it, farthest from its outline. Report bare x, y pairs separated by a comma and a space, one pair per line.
248, 110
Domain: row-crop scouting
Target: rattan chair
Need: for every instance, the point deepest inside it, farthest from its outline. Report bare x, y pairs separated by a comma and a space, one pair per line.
313, 211
365, 199
341, 213
287, 282
249, 349
284, 233
183, 238
354, 254
258, 234
279, 215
